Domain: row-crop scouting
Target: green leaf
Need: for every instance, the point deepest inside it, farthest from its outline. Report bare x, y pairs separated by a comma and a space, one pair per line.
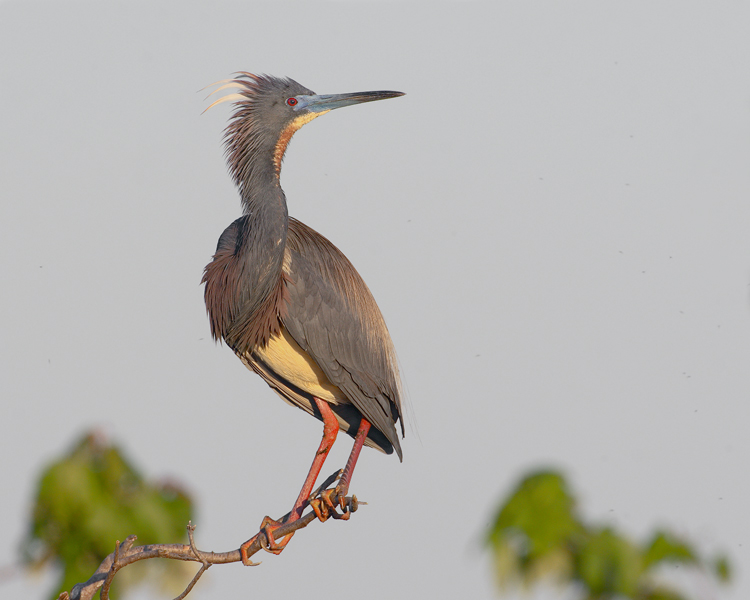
538, 536
665, 547
89, 499
609, 564
532, 531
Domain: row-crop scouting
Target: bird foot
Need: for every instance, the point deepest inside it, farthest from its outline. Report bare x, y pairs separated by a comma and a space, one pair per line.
330, 500
267, 540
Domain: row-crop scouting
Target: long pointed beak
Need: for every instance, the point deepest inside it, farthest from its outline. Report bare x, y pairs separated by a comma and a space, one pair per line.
325, 102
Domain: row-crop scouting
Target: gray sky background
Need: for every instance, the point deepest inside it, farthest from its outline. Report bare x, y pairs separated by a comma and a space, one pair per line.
555, 221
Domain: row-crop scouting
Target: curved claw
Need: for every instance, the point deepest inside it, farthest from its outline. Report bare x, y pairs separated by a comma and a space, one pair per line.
326, 506
329, 497
243, 552
268, 526
267, 541
320, 509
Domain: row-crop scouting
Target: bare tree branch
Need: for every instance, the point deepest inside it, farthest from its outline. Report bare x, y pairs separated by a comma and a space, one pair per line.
204, 566
125, 553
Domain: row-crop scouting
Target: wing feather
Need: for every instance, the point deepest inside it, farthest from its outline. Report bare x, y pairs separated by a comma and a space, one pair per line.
334, 318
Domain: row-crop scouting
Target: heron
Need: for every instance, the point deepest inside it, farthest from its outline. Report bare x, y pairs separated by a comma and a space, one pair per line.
290, 304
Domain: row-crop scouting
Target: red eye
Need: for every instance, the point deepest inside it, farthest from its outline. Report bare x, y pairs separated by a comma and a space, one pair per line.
291, 101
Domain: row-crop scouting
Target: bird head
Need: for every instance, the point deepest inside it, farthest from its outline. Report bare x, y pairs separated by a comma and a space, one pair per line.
268, 110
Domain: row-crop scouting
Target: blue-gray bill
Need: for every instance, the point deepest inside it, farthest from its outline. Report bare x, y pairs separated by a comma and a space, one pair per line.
326, 102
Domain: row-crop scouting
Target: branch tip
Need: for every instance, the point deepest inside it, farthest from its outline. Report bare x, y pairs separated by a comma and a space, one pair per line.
125, 553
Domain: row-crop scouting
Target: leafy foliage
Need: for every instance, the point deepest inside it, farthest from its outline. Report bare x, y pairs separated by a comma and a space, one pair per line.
538, 536
89, 499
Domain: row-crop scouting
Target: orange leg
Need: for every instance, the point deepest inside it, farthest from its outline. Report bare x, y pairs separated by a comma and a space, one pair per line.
343, 486
330, 431
359, 440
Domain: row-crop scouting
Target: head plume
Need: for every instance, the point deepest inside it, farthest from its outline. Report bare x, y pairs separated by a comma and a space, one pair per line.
262, 123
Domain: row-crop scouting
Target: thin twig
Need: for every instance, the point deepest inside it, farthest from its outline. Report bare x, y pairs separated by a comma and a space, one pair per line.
125, 554
111, 574
204, 566
120, 549
190, 530
192, 583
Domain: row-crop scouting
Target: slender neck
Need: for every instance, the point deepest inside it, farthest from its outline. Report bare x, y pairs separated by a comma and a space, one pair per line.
264, 204
256, 177
263, 200
253, 160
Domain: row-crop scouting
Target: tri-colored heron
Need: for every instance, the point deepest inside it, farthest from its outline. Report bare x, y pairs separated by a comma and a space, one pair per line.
289, 303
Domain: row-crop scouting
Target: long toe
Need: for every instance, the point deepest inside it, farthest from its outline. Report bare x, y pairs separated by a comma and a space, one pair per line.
267, 540
331, 498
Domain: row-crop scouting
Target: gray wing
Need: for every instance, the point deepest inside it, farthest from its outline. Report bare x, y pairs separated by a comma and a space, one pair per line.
334, 318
